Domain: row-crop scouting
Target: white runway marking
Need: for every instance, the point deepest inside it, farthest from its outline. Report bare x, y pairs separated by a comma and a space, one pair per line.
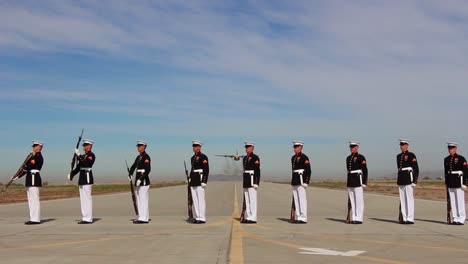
328, 252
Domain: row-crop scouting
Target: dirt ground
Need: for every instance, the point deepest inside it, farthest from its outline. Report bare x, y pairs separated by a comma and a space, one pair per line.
17, 193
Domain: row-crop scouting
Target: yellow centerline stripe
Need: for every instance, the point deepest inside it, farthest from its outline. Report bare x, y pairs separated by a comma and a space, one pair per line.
236, 249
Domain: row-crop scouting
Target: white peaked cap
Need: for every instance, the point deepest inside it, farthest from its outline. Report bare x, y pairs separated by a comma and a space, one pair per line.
249, 143
404, 141
297, 143
197, 142
142, 142
88, 141
37, 142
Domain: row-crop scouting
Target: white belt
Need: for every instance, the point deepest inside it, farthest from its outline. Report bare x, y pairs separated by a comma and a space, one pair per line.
200, 171
251, 172
141, 171
87, 173
410, 169
32, 176
300, 172
460, 174
360, 174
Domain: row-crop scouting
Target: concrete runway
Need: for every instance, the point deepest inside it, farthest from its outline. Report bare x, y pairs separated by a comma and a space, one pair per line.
170, 239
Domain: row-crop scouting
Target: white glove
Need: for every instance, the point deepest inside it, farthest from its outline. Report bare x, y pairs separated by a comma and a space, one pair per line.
130, 177
77, 152
69, 177
138, 183
305, 185
413, 184
364, 186
255, 186
463, 187
15, 178
203, 184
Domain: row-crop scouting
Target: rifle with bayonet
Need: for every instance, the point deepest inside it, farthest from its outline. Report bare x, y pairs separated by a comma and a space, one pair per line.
19, 171
189, 194
132, 190
75, 156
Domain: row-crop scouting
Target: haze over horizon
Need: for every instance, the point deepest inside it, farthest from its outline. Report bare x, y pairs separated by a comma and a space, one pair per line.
223, 72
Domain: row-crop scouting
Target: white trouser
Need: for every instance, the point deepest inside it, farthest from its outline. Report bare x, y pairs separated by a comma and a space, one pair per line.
199, 204
300, 202
142, 194
34, 204
86, 203
457, 200
356, 195
250, 195
407, 202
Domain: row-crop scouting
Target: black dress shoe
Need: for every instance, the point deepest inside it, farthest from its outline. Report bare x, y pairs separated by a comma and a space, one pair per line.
32, 223
244, 221
84, 223
356, 222
409, 223
140, 222
301, 222
353, 222
201, 222
251, 222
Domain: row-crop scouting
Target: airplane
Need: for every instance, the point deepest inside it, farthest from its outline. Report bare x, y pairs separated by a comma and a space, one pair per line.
234, 157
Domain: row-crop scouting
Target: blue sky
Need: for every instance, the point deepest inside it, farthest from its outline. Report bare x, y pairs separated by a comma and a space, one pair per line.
227, 71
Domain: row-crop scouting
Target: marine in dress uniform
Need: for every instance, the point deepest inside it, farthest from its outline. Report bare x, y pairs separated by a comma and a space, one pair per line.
142, 165
33, 182
198, 180
300, 180
251, 181
456, 172
408, 172
357, 179
85, 181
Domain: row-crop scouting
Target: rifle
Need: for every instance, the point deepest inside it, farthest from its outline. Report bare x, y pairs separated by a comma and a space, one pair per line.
189, 194
132, 190
19, 171
75, 157
293, 211
400, 215
242, 216
449, 208
348, 219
